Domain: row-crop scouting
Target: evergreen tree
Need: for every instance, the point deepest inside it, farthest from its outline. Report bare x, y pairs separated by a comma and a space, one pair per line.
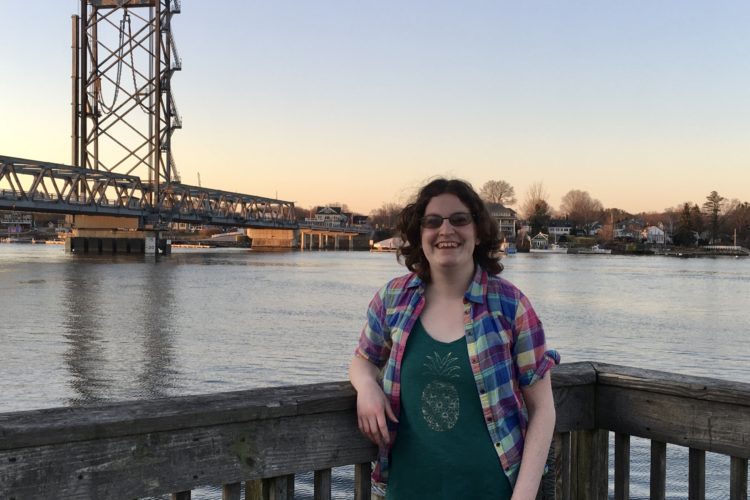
712, 206
685, 232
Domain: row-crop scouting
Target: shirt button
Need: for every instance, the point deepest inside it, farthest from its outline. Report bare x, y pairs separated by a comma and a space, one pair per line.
482, 391
489, 419
497, 445
474, 360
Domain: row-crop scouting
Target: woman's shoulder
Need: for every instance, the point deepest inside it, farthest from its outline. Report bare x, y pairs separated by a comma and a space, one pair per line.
402, 283
397, 292
502, 287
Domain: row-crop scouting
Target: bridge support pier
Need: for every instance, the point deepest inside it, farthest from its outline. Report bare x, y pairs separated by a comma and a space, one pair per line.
111, 241
274, 238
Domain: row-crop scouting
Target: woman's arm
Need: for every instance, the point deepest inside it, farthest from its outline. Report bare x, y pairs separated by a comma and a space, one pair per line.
372, 404
541, 407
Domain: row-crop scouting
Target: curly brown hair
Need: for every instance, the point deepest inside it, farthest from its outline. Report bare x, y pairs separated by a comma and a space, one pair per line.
410, 230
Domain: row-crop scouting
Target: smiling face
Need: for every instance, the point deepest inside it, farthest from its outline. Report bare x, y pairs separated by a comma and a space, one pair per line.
449, 248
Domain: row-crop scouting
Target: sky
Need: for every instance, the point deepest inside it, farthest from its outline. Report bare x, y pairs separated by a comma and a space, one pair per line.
645, 104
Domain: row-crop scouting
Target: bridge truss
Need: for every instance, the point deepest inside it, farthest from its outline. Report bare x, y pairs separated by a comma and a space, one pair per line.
28, 185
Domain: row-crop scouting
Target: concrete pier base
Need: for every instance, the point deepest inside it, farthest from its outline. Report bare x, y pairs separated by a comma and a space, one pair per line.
113, 241
272, 238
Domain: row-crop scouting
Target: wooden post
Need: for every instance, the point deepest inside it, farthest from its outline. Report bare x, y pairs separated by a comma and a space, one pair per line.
590, 464
362, 482
697, 474
546, 489
322, 483
231, 491
658, 470
738, 479
622, 466
274, 488
563, 465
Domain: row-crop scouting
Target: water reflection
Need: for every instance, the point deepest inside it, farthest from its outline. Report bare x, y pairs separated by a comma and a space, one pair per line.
120, 337
85, 356
157, 375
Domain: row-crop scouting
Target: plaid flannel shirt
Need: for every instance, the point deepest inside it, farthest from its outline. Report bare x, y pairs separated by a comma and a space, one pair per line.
507, 351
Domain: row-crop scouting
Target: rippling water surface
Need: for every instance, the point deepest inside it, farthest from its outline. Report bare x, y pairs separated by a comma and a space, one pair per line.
85, 329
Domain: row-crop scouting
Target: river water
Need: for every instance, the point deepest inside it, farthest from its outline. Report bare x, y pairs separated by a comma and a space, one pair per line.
88, 329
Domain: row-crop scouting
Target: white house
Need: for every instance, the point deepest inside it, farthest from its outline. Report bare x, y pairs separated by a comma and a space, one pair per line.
540, 241
506, 219
653, 234
558, 228
328, 216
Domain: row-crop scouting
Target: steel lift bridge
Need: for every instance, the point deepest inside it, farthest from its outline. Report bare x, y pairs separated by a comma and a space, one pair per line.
123, 117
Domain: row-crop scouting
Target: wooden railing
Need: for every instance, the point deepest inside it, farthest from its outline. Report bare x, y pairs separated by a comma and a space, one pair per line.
263, 437
701, 414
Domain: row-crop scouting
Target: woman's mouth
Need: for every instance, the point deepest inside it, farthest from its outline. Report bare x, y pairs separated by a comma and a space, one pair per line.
446, 244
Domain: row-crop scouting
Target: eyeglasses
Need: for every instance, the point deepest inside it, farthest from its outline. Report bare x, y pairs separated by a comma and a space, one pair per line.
435, 221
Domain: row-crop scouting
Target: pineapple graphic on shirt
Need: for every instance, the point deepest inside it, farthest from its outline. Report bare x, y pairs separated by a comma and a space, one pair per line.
440, 404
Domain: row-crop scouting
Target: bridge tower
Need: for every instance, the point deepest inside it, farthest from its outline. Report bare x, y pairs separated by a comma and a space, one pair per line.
123, 109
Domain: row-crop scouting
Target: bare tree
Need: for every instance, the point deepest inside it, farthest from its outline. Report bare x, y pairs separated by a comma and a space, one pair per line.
386, 216
498, 192
737, 219
534, 194
536, 207
580, 207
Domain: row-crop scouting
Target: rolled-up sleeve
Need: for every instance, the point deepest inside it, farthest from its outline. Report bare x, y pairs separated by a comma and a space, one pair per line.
530, 354
374, 340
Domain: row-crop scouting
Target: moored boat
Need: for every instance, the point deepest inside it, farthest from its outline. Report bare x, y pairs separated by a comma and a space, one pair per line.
596, 249
553, 248
387, 245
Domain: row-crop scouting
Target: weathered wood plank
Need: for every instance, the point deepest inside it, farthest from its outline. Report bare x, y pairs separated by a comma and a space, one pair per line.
590, 464
362, 481
696, 474
63, 425
622, 466
272, 488
575, 408
703, 388
573, 374
658, 470
282, 488
694, 423
563, 466
258, 489
546, 489
180, 460
231, 491
322, 484
738, 479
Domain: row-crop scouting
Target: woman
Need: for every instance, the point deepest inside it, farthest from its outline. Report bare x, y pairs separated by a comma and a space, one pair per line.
454, 358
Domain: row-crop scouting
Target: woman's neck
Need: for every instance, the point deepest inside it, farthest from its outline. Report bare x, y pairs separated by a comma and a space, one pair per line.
451, 283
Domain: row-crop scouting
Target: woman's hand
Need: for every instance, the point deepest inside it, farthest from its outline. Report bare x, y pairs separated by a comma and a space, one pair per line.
372, 410
372, 404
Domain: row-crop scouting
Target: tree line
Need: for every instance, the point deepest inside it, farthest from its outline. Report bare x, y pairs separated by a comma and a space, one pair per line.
716, 220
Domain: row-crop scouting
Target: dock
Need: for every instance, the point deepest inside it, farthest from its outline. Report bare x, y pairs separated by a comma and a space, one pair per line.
708, 251
263, 437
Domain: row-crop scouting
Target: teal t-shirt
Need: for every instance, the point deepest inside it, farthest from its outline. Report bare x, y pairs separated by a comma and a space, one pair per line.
443, 449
